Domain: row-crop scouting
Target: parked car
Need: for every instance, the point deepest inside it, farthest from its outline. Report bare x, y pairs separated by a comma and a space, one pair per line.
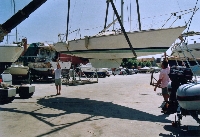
123, 72
129, 71
119, 71
135, 71
116, 71
145, 69
155, 69
108, 71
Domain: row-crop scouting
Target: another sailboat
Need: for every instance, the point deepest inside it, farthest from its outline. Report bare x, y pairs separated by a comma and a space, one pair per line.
90, 71
189, 50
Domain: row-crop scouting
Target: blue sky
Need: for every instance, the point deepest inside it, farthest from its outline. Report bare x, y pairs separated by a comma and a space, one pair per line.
50, 19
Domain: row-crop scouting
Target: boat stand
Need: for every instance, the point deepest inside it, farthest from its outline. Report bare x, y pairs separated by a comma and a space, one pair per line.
182, 112
7, 94
8, 91
73, 78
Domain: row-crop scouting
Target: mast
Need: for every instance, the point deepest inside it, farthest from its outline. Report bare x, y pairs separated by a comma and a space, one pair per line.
138, 12
130, 15
16, 26
67, 19
106, 14
122, 13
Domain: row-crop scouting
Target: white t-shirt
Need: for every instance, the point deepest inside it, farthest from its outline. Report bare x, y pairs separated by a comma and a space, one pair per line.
57, 73
165, 77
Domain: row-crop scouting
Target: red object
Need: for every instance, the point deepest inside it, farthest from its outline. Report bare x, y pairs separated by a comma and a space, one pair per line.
75, 60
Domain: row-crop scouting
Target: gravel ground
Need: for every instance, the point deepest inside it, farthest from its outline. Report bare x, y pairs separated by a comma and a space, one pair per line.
116, 106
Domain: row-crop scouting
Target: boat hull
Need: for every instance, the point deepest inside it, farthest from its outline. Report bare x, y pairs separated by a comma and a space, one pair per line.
10, 53
116, 53
188, 96
105, 63
18, 70
115, 46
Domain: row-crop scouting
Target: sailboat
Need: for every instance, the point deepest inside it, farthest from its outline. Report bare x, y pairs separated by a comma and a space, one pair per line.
108, 49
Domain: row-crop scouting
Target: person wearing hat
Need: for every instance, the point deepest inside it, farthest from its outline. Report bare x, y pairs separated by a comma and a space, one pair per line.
58, 82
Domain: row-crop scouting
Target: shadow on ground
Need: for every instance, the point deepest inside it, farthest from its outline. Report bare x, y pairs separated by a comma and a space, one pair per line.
99, 108
181, 131
95, 108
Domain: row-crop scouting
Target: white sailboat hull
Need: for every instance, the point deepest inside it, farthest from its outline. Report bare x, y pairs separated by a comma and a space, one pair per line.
115, 46
114, 54
10, 53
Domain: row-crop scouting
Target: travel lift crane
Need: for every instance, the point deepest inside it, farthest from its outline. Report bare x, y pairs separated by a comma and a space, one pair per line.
25, 91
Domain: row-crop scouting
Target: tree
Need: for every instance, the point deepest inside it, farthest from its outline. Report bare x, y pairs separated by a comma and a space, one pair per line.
148, 64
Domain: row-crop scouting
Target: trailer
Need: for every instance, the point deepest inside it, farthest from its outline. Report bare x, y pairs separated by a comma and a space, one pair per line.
8, 91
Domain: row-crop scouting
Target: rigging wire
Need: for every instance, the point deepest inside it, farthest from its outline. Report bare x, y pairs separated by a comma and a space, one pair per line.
180, 9
194, 11
182, 40
80, 19
72, 14
178, 17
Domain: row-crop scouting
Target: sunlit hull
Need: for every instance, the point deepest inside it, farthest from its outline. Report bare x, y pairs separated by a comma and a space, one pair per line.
115, 46
10, 52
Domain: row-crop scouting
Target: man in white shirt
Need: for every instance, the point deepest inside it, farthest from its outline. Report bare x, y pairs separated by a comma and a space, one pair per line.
58, 82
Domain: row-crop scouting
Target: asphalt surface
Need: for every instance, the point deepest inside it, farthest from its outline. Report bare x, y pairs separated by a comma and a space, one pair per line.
116, 106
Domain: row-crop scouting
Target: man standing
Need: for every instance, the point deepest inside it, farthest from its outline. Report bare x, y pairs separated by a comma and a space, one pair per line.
58, 83
164, 80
